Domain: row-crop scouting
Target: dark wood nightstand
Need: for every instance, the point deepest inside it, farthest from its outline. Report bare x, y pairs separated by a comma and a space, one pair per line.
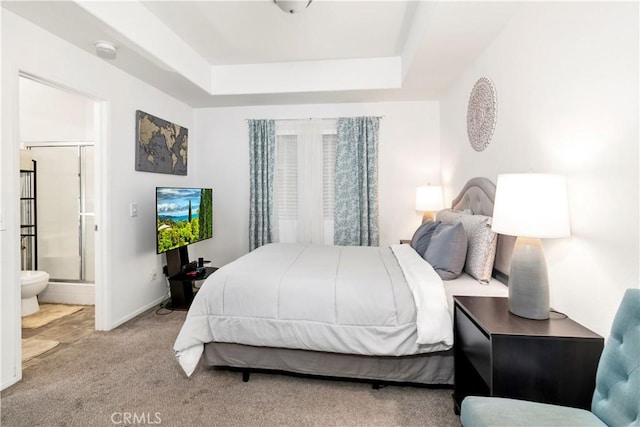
405, 242
500, 354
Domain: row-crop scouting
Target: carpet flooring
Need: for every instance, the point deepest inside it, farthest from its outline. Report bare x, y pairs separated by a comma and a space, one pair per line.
129, 376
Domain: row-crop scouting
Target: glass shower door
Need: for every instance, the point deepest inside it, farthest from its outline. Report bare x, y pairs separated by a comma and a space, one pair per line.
65, 212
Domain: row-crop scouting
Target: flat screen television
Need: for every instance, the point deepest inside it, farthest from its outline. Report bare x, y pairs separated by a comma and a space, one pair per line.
183, 216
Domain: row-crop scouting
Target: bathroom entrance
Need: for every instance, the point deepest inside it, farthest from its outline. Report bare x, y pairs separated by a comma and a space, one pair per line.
58, 140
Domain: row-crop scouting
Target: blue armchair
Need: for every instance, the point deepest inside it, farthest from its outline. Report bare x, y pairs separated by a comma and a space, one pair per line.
616, 400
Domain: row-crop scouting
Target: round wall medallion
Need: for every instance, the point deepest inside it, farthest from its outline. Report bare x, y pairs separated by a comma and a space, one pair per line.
481, 114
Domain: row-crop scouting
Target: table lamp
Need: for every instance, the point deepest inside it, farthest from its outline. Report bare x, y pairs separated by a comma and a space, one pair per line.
429, 201
530, 207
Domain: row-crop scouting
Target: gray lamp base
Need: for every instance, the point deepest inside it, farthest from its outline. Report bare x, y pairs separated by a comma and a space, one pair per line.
528, 280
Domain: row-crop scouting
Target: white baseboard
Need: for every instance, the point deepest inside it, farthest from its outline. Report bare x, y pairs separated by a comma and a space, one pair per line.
69, 293
137, 312
11, 381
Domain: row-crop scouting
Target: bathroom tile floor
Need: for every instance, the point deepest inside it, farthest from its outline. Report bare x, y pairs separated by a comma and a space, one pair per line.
66, 330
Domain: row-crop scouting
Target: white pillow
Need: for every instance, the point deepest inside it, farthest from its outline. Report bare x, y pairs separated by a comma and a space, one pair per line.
481, 246
451, 216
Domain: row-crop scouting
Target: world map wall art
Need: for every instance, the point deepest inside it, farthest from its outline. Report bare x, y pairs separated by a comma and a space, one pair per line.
161, 146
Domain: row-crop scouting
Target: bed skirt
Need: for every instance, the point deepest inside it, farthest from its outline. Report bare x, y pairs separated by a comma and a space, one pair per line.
424, 369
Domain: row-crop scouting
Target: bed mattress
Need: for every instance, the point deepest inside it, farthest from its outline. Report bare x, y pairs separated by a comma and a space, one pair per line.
466, 285
381, 301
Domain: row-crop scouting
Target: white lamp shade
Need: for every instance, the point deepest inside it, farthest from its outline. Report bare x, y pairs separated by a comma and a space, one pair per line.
429, 198
531, 205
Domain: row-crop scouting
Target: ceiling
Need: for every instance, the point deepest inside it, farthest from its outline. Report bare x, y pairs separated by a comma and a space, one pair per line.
232, 53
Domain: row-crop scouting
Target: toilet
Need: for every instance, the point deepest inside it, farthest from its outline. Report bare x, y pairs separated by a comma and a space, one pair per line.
32, 282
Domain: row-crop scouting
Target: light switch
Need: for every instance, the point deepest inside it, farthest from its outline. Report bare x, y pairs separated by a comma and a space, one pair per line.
133, 209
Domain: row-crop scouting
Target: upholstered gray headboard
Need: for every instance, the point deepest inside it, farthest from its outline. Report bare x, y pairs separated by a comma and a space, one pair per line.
478, 195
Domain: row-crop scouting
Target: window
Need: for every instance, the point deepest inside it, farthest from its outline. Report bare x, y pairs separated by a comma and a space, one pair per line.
304, 182
328, 175
287, 176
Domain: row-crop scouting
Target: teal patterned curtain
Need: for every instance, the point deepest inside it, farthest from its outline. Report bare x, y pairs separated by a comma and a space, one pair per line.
356, 182
262, 147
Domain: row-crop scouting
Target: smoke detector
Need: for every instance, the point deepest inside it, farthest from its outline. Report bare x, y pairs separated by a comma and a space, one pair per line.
106, 50
292, 6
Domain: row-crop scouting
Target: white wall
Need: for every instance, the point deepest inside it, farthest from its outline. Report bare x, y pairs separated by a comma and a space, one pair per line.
8, 310
50, 114
566, 76
409, 156
130, 259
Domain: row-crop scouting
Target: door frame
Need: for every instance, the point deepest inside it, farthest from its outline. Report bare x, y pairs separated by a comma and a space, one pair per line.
101, 118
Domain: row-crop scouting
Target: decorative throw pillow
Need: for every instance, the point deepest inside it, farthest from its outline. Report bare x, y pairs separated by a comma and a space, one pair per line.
422, 236
481, 246
447, 250
451, 216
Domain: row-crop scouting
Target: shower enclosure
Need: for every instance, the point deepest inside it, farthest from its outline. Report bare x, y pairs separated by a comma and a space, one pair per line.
65, 200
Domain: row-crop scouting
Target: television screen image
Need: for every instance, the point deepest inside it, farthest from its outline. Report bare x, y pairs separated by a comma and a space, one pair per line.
183, 216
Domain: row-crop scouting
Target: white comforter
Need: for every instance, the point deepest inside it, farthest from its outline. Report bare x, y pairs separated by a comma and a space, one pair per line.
355, 300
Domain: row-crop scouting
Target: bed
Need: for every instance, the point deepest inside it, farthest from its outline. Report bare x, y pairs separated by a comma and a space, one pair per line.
384, 316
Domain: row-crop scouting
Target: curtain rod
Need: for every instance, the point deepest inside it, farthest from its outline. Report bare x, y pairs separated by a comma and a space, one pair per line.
312, 118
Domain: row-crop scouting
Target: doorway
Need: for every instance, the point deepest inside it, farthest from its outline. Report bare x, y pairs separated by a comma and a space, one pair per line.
60, 131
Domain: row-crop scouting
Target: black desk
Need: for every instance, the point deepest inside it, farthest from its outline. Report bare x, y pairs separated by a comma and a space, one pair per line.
181, 286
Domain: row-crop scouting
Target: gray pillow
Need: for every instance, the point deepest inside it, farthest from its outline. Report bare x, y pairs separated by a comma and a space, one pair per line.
447, 250
422, 236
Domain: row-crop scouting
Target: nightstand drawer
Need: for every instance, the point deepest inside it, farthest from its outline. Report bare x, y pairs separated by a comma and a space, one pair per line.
475, 345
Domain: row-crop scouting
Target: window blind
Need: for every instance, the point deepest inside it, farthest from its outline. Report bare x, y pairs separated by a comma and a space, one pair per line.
328, 174
287, 176
304, 182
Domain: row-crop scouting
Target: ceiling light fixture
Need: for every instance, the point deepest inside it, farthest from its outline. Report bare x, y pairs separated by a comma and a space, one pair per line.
292, 6
106, 50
